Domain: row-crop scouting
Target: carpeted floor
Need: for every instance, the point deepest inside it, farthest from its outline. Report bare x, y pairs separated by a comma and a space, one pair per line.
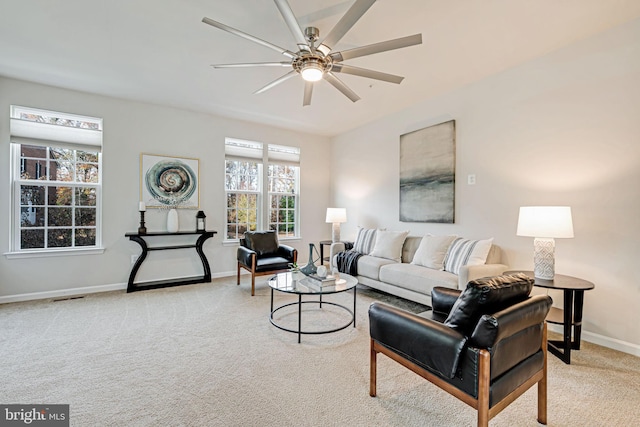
206, 355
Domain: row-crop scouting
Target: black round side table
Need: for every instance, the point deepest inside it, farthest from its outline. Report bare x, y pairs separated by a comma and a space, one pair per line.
570, 317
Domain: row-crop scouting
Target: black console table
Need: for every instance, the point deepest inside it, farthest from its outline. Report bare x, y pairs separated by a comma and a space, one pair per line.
140, 239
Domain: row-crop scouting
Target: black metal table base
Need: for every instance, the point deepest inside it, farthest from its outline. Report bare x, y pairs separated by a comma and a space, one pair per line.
571, 322
132, 286
299, 303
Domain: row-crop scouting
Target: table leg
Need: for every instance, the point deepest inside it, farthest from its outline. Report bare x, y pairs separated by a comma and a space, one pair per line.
299, 317
577, 319
271, 300
354, 306
568, 323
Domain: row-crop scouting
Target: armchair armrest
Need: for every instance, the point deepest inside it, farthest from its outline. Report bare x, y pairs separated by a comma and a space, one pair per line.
473, 272
423, 341
442, 300
288, 252
245, 256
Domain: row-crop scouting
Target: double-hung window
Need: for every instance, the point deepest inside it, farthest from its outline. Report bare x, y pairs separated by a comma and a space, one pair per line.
262, 184
56, 177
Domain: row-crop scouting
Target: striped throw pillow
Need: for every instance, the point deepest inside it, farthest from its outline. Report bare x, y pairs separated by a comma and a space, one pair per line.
466, 252
365, 240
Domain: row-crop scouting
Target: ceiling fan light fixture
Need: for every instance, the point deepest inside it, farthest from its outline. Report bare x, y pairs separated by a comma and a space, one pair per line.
311, 72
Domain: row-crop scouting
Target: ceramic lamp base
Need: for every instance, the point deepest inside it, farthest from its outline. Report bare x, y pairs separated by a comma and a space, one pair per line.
544, 258
335, 232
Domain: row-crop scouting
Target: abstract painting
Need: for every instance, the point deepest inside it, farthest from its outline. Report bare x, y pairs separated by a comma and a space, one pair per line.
169, 182
427, 174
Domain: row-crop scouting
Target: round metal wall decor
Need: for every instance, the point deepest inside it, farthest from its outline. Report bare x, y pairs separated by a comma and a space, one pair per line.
171, 182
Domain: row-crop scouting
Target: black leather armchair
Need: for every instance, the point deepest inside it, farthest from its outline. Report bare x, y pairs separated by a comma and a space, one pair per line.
260, 253
486, 345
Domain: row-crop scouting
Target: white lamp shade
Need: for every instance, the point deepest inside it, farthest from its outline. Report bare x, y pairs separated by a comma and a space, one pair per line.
336, 215
545, 221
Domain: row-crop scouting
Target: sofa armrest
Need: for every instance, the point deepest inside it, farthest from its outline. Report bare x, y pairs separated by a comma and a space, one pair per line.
245, 256
336, 248
473, 272
288, 252
423, 341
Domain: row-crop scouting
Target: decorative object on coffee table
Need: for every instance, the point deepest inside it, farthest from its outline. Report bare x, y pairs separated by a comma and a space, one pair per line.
336, 216
545, 223
310, 268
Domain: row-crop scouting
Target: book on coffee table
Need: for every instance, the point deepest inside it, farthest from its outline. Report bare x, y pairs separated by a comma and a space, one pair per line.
323, 281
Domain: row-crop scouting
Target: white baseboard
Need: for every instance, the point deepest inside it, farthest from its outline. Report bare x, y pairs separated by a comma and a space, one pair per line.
60, 293
612, 343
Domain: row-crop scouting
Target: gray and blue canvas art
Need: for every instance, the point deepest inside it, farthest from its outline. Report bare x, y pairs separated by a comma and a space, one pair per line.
427, 174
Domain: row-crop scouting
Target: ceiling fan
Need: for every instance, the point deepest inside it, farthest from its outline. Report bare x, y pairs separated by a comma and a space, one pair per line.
316, 62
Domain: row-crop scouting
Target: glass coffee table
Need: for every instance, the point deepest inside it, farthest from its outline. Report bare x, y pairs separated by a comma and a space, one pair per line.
298, 284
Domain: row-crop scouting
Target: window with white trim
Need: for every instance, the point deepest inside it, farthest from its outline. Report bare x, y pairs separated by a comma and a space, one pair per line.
262, 184
56, 180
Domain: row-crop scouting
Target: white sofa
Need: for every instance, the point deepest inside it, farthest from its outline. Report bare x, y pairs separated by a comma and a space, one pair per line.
414, 282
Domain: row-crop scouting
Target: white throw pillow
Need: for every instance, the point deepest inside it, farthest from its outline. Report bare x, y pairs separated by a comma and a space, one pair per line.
466, 252
389, 244
365, 240
432, 251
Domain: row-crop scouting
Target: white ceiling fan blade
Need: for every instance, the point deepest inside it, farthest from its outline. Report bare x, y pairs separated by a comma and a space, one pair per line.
248, 37
349, 19
308, 91
292, 23
377, 47
276, 82
364, 72
341, 86
253, 64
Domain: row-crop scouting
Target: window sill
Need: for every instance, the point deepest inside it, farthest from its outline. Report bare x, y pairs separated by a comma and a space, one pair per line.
50, 253
280, 239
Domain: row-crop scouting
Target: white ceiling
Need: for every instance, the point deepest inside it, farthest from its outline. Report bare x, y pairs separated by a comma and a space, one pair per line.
159, 51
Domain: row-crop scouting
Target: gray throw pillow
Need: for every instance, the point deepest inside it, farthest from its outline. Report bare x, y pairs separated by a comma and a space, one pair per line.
487, 296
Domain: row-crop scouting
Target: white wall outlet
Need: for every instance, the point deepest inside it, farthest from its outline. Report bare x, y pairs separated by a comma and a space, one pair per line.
134, 258
471, 179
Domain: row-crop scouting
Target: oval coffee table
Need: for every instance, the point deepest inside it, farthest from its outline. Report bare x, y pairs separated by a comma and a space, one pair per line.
299, 284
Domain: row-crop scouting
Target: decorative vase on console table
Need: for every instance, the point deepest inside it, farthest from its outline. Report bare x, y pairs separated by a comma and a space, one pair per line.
172, 221
310, 268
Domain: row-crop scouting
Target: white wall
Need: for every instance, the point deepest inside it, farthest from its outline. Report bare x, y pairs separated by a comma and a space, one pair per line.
131, 128
560, 130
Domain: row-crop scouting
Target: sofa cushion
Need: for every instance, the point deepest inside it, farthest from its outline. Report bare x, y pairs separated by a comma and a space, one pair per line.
262, 242
487, 296
365, 239
417, 278
466, 252
369, 266
389, 244
432, 251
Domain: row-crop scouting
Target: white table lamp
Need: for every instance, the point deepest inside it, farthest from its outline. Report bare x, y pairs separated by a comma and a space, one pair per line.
545, 223
336, 216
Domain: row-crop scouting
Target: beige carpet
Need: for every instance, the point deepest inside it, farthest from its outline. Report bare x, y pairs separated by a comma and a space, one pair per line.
206, 355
